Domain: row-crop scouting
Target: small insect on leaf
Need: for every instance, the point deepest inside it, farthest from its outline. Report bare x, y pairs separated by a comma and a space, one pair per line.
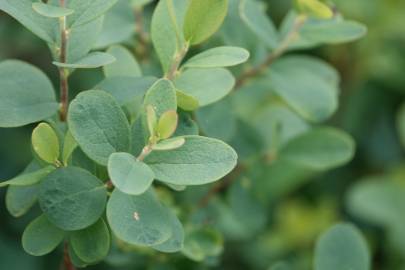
136, 216
167, 124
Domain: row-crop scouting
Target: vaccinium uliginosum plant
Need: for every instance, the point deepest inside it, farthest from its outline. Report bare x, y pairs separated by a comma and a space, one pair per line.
104, 163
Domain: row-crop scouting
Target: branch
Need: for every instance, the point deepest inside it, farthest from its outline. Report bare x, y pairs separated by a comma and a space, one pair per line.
67, 262
63, 72
280, 50
171, 73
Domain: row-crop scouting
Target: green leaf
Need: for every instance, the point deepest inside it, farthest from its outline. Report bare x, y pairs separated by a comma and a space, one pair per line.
93, 243
225, 56
169, 144
22, 11
129, 175
308, 85
314, 8
255, 17
92, 60
199, 161
166, 33
118, 25
342, 247
162, 97
28, 179
206, 85
138, 220
24, 99
75, 259
140, 3
98, 125
203, 19
202, 243
72, 198
319, 149
41, 237
69, 145
87, 10
281, 266
127, 89
186, 126
151, 120
125, 65
19, 200
175, 242
51, 11
46, 143
167, 124
186, 102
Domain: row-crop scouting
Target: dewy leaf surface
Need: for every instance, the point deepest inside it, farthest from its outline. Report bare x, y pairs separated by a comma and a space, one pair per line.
72, 198
24, 99
98, 125
199, 161
138, 220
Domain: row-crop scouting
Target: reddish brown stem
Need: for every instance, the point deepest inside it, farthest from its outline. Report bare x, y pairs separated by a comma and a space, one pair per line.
63, 73
67, 262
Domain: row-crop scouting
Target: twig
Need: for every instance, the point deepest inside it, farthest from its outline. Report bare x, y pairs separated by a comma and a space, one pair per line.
63, 72
280, 50
171, 73
67, 262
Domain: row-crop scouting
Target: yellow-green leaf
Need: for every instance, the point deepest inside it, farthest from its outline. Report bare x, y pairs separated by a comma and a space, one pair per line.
46, 143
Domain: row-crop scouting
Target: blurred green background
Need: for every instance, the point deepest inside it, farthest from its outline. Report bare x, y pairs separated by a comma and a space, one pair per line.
373, 88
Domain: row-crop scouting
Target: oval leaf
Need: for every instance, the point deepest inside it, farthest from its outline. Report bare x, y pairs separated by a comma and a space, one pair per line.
319, 149
206, 85
92, 60
46, 143
203, 19
175, 242
129, 175
342, 247
169, 144
24, 99
93, 243
206, 160
98, 125
125, 65
28, 179
186, 102
138, 220
167, 124
41, 237
50, 10
72, 198
225, 56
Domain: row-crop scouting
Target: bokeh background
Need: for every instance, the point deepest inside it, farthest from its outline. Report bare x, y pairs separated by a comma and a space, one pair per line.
373, 91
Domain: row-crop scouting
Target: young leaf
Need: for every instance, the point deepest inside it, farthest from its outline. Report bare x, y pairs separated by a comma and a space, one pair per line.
51, 11
98, 125
314, 8
225, 56
206, 161
41, 237
138, 220
69, 145
93, 243
46, 143
203, 19
306, 85
167, 124
129, 175
72, 198
28, 179
162, 96
202, 243
175, 242
319, 149
92, 60
166, 31
151, 119
169, 144
259, 23
125, 65
342, 247
206, 85
186, 102
24, 99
